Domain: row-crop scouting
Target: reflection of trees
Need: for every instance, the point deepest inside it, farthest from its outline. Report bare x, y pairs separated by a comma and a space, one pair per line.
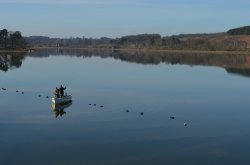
183, 58
232, 61
236, 63
151, 57
11, 60
239, 71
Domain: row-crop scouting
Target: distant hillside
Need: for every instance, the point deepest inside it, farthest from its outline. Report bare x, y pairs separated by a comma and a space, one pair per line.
233, 40
245, 30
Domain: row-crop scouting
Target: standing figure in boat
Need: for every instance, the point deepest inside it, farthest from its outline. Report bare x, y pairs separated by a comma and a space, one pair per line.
61, 91
56, 93
60, 96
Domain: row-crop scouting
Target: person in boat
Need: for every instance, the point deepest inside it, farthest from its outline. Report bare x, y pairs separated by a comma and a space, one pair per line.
61, 91
56, 93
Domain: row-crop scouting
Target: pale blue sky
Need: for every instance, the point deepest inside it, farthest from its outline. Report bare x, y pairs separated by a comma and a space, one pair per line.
115, 18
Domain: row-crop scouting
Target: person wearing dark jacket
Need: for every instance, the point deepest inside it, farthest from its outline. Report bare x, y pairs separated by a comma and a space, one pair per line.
61, 91
56, 93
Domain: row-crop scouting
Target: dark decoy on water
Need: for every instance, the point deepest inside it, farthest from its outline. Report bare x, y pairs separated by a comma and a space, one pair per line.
17, 91
94, 104
4, 89
22, 92
47, 97
142, 113
89, 104
127, 110
101, 106
172, 117
39, 95
185, 124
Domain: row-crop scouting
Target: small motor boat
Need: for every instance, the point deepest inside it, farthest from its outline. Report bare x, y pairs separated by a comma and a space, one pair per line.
62, 100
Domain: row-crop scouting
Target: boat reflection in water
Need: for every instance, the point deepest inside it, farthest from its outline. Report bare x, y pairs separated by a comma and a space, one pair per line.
59, 108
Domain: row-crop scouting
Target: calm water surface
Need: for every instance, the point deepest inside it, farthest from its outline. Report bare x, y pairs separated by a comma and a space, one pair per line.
210, 94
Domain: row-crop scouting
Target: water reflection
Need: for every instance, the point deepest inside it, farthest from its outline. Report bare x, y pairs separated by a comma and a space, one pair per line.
214, 108
239, 71
237, 64
59, 108
11, 61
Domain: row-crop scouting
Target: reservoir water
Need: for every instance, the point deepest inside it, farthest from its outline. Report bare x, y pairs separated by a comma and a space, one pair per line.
128, 108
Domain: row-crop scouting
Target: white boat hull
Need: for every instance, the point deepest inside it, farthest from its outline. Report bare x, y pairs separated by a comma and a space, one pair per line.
56, 107
62, 100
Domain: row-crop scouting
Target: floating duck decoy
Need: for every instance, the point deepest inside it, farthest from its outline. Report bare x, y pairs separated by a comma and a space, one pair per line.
172, 117
47, 97
89, 104
142, 113
39, 95
94, 104
17, 91
4, 89
22, 92
101, 106
185, 124
127, 110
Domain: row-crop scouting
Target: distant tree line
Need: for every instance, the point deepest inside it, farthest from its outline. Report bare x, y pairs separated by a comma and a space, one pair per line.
139, 41
11, 40
245, 30
209, 42
43, 41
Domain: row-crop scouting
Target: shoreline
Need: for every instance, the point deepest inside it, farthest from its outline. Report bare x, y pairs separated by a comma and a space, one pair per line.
13, 51
245, 52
